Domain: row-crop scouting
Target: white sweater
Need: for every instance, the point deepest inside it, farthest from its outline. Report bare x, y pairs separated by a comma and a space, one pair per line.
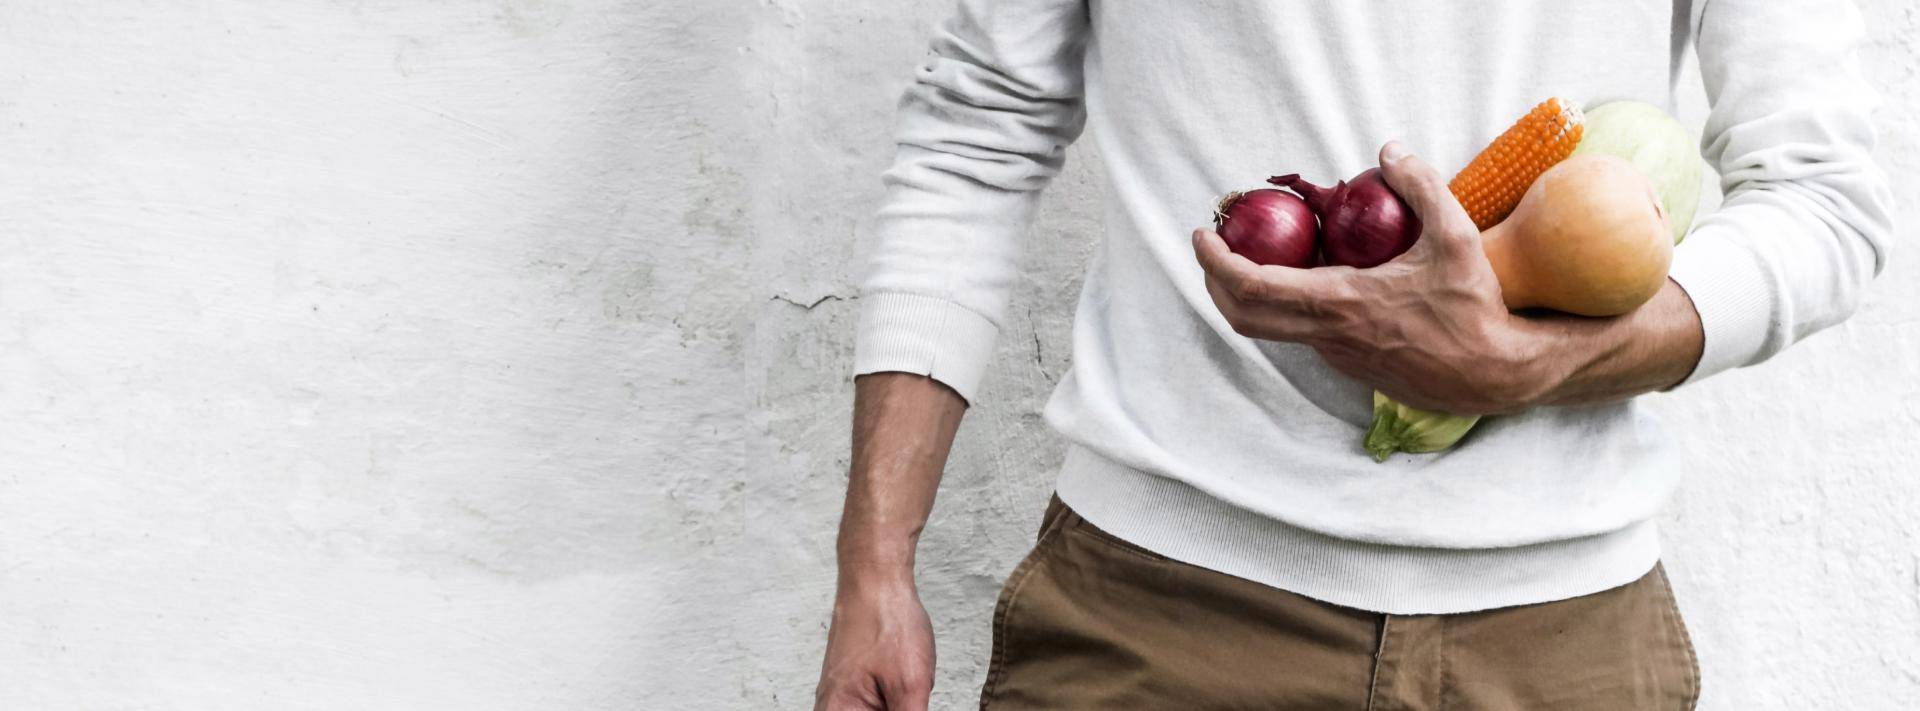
1244, 456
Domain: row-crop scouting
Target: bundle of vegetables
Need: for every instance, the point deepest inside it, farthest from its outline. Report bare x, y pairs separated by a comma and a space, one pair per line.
1579, 213
1570, 245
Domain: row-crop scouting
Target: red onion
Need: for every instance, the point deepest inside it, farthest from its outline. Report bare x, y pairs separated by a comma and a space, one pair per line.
1268, 226
1363, 223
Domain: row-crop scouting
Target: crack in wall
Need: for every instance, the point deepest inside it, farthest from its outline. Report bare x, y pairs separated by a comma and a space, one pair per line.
816, 302
1034, 328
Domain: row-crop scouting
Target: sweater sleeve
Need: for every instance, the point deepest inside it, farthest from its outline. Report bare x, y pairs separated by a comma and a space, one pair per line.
982, 129
1807, 221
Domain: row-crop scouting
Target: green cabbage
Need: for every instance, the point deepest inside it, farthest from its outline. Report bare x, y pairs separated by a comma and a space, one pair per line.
1656, 144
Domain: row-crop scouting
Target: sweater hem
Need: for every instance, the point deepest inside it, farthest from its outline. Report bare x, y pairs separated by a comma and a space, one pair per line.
1174, 519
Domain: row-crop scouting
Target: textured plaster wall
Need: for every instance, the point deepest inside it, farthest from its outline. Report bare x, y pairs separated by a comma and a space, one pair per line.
383, 354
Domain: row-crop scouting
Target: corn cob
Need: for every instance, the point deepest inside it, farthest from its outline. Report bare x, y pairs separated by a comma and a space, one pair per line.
1491, 185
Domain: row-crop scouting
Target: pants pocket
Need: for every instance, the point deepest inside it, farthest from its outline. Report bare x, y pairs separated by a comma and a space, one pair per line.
1683, 640
1619, 648
1050, 525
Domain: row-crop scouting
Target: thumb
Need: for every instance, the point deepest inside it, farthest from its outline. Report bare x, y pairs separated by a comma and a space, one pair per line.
1445, 221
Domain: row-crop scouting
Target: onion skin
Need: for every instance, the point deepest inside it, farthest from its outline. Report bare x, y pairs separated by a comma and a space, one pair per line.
1363, 223
1268, 226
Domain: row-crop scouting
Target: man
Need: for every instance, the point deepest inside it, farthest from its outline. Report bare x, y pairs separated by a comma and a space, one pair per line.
1218, 538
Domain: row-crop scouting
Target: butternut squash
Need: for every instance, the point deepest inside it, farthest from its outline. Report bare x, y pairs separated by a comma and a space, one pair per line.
1589, 237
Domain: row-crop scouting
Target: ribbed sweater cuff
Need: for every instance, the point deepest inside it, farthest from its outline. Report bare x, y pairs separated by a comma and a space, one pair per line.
1729, 289
910, 333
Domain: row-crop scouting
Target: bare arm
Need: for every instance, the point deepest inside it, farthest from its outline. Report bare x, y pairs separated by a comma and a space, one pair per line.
1807, 220
903, 427
1593, 361
981, 131
880, 647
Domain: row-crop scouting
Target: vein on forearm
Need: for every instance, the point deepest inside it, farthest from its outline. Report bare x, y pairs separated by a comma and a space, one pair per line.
903, 429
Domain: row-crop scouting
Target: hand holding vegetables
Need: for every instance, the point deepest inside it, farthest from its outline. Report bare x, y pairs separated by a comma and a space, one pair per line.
1428, 328
1578, 209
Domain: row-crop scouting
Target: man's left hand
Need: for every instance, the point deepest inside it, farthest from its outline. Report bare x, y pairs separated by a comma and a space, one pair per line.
1428, 328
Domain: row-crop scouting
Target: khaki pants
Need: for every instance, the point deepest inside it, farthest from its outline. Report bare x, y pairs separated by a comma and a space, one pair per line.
1088, 621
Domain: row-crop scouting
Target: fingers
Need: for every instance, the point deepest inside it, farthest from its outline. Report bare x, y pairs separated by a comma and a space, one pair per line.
909, 698
1265, 321
1427, 193
1271, 302
865, 695
1255, 283
1414, 180
1219, 262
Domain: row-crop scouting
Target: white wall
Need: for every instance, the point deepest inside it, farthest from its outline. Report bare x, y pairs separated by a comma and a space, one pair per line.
378, 354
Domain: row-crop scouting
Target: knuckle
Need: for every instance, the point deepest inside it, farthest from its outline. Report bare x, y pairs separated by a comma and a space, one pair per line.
1450, 238
1337, 303
1414, 175
1458, 224
913, 682
1324, 308
1423, 181
1248, 290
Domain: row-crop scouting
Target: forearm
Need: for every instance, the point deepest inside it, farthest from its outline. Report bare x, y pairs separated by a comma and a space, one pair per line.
1602, 360
903, 428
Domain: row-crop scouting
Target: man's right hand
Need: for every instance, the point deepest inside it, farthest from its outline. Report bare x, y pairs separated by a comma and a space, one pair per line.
879, 651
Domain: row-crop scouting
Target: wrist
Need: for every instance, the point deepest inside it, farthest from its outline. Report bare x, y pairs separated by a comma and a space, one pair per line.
867, 563
874, 583
866, 601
